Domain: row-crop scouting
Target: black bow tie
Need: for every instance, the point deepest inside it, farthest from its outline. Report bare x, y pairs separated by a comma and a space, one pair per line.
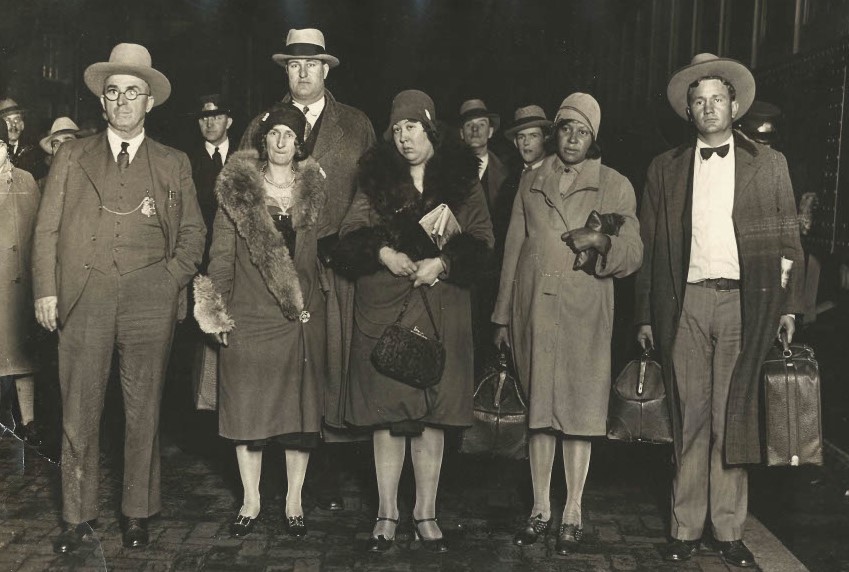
722, 151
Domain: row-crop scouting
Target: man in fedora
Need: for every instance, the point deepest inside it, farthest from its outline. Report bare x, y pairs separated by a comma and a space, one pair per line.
477, 126
207, 159
721, 275
23, 153
336, 136
119, 234
63, 129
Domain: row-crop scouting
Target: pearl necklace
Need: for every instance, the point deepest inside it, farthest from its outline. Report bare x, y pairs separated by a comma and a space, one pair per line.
282, 187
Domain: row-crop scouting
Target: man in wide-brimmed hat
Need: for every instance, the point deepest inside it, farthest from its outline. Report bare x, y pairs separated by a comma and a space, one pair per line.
336, 136
119, 235
477, 126
214, 119
23, 151
718, 222
63, 129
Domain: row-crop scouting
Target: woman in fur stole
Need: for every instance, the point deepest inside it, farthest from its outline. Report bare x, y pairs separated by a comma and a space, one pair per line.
263, 303
383, 247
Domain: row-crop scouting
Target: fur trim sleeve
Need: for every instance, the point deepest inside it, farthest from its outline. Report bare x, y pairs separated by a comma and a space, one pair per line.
210, 310
356, 254
467, 258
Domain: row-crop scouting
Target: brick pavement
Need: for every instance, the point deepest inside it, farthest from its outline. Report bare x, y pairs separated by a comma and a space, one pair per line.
481, 502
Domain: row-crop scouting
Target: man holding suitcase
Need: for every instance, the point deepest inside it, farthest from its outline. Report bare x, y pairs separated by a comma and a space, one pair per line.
722, 270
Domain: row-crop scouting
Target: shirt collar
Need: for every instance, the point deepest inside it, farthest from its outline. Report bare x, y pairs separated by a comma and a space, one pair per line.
315, 109
222, 148
115, 141
562, 167
702, 145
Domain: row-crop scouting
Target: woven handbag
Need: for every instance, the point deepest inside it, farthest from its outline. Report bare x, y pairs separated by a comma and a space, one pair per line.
406, 354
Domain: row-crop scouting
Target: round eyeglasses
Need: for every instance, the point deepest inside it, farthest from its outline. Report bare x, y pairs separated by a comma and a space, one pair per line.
113, 93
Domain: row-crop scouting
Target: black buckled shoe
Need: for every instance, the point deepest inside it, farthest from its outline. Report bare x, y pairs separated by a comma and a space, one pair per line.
71, 537
735, 553
135, 533
680, 550
381, 543
568, 538
295, 526
242, 526
436, 545
533, 529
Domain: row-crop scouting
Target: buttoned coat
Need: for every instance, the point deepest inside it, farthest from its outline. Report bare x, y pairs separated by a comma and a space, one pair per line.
68, 218
560, 319
766, 229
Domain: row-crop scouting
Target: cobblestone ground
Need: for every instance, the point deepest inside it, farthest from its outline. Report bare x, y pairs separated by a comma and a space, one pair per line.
481, 503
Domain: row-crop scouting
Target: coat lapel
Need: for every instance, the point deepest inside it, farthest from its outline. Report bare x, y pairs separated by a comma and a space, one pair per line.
330, 132
745, 168
94, 161
159, 177
678, 189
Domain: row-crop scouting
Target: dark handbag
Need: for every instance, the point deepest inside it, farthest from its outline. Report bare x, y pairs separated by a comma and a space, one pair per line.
793, 411
205, 375
638, 409
500, 422
407, 355
609, 224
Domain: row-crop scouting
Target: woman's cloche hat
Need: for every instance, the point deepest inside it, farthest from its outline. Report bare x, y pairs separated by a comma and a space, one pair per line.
525, 118
703, 65
305, 44
130, 59
582, 107
62, 126
413, 105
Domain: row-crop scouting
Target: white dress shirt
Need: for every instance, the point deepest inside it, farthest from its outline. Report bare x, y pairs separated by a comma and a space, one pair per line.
115, 141
713, 248
222, 149
314, 112
484, 163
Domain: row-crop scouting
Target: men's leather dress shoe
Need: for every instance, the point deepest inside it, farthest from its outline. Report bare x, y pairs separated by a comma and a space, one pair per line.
295, 526
70, 538
533, 529
736, 553
681, 550
135, 533
242, 526
568, 538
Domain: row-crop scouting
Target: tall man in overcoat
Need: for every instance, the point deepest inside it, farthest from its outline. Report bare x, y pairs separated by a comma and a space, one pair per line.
718, 223
118, 236
337, 135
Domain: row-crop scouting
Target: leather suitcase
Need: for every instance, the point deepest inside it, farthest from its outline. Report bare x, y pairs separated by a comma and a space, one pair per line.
638, 409
500, 422
792, 406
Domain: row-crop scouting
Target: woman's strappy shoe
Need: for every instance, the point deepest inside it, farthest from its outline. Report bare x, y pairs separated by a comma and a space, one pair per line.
568, 539
295, 526
242, 526
380, 543
430, 544
531, 531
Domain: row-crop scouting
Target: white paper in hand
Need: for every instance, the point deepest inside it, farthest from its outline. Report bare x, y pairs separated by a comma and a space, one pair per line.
440, 224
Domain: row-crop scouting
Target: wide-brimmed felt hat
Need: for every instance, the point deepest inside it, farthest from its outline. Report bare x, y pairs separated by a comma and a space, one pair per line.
412, 105
703, 65
307, 43
474, 108
9, 106
582, 107
211, 105
129, 59
525, 118
62, 126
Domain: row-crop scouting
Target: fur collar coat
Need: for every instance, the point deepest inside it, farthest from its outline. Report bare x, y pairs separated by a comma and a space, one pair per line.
242, 198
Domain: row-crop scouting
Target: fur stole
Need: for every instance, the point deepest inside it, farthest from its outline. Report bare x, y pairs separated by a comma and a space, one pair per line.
241, 195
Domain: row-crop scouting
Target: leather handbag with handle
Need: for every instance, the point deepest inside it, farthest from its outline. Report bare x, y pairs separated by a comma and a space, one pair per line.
638, 409
406, 354
500, 423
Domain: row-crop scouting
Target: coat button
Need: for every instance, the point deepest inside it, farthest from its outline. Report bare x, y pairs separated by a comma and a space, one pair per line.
87, 266
14, 248
304, 317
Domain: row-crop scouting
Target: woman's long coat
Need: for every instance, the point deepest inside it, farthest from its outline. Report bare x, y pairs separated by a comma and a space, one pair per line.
18, 207
385, 212
766, 229
561, 320
272, 373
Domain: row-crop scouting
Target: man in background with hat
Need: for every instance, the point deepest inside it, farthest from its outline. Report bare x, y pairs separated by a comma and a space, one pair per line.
119, 235
722, 270
477, 126
63, 129
24, 154
214, 120
336, 136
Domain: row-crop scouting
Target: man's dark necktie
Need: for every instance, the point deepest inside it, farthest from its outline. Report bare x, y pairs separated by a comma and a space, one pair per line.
722, 151
307, 127
216, 159
124, 157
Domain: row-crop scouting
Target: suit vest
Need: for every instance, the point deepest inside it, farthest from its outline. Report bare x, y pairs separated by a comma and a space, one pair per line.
130, 240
